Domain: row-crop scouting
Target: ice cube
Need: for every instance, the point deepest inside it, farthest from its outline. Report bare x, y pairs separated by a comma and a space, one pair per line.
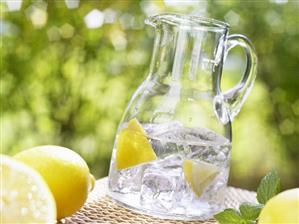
163, 184
171, 161
158, 130
164, 147
127, 180
159, 189
204, 136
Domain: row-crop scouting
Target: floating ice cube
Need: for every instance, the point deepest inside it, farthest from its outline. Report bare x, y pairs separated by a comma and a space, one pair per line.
163, 184
127, 180
172, 138
157, 192
163, 129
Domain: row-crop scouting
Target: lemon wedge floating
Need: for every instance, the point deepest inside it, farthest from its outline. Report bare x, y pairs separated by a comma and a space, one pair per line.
199, 174
134, 125
25, 196
133, 147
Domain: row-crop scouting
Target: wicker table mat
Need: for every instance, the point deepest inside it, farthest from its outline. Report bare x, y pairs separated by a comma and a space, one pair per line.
99, 208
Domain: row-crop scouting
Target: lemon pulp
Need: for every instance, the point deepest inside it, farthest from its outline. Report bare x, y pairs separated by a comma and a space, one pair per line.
133, 147
25, 196
199, 174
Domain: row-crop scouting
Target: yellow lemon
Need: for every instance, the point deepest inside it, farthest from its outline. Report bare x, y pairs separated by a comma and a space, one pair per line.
25, 196
282, 208
133, 147
199, 174
65, 172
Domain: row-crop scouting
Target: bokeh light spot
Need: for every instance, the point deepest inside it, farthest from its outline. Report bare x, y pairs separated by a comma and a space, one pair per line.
94, 19
13, 5
72, 4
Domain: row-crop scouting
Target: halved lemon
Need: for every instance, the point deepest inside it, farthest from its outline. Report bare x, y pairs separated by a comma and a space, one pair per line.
133, 147
199, 174
25, 196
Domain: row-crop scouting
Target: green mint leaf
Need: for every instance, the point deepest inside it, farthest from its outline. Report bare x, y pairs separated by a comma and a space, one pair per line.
230, 216
250, 211
269, 187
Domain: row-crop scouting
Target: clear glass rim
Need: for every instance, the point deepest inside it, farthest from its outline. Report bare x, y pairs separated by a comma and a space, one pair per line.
187, 21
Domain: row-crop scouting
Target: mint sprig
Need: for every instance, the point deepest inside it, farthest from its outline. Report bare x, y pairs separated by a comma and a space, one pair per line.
269, 187
230, 216
248, 213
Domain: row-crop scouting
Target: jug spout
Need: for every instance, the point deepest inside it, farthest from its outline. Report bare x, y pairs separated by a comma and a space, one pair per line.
187, 21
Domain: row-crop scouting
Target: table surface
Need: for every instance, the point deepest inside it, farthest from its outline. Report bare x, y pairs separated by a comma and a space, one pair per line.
100, 208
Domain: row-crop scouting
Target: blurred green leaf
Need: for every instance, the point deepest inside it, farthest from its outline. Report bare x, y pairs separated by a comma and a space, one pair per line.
269, 187
250, 211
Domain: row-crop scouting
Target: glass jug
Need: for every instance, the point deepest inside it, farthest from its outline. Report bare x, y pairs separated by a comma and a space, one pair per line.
173, 146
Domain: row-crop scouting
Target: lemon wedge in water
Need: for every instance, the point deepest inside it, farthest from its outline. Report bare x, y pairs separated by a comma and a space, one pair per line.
133, 147
199, 175
25, 196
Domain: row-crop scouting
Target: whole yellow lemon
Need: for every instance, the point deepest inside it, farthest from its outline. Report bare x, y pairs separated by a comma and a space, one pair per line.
65, 172
282, 208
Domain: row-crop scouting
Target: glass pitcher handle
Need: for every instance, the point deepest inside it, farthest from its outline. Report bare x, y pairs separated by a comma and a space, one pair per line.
236, 96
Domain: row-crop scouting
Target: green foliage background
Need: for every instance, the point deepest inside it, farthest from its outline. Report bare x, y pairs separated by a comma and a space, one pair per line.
65, 84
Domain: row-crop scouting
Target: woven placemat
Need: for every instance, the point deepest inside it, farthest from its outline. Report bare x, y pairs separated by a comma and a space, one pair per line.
100, 208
